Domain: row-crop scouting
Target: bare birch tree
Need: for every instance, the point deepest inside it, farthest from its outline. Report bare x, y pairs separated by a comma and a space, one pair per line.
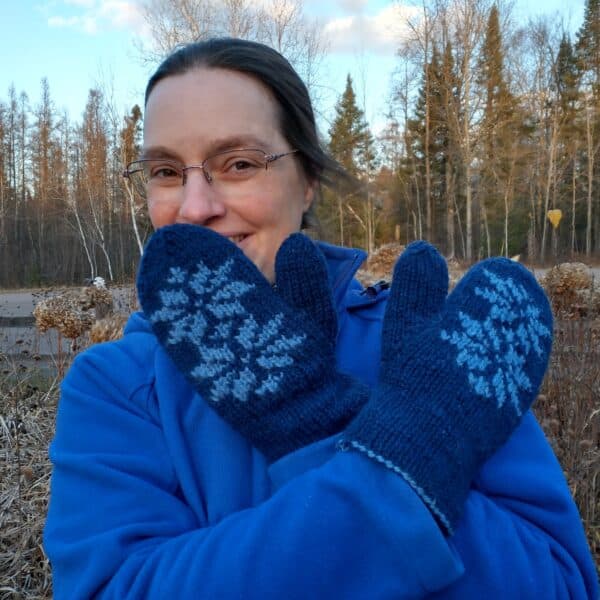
280, 24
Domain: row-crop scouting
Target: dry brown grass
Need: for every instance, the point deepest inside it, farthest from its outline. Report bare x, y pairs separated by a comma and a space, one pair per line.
380, 265
568, 409
27, 409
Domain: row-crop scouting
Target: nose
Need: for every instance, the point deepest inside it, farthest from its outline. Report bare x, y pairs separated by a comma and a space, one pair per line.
200, 203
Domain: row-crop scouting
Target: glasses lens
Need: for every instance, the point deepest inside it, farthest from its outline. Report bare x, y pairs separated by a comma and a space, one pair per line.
152, 176
235, 165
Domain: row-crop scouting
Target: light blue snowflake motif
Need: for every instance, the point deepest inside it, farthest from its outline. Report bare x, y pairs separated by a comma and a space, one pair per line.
494, 350
237, 356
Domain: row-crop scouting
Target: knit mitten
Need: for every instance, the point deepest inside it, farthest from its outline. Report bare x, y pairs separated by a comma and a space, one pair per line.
456, 375
265, 365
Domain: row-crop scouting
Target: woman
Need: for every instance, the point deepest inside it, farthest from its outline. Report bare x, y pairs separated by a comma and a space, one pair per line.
268, 429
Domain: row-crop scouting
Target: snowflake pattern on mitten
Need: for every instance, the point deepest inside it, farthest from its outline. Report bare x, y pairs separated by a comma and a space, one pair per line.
234, 351
495, 349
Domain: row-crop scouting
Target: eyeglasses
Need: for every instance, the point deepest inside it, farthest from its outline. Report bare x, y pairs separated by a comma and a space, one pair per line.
226, 171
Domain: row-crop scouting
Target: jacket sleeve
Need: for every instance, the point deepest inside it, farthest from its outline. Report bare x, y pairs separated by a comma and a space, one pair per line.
118, 526
520, 535
521, 532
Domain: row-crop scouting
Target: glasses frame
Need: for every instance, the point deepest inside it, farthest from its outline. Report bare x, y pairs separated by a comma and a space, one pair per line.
268, 158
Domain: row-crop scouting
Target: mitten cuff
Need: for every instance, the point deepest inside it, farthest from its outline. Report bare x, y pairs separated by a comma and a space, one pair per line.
414, 441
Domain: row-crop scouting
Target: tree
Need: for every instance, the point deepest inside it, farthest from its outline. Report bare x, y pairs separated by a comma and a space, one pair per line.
129, 150
588, 51
42, 150
428, 136
351, 144
348, 130
448, 141
280, 24
88, 202
500, 134
567, 77
4, 190
588, 44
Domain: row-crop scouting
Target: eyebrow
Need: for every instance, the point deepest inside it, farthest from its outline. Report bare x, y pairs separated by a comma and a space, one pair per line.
214, 147
158, 152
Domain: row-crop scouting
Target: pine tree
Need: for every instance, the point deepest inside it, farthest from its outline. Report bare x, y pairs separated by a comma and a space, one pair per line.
566, 82
348, 131
500, 139
352, 145
428, 133
449, 157
567, 76
588, 51
588, 43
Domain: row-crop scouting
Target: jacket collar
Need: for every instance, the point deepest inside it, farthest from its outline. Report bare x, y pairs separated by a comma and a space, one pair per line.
342, 264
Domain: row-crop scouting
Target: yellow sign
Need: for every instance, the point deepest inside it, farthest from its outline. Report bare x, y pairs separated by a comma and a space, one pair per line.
554, 216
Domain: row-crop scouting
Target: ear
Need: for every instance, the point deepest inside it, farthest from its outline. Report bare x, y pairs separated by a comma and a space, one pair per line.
310, 192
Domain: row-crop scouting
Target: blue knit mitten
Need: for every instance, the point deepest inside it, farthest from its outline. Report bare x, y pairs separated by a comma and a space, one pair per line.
266, 365
456, 375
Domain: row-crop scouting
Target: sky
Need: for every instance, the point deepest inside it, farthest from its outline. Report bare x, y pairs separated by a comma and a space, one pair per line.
80, 44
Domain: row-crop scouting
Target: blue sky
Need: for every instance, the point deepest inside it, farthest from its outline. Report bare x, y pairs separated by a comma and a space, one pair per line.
78, 44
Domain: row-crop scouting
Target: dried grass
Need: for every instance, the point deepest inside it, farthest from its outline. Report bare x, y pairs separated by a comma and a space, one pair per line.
27, 410
572, 290
380, 265
569, 412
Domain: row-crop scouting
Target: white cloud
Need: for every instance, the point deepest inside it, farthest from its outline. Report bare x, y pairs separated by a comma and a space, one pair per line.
85, 23
99, 15
121, 13
379, 33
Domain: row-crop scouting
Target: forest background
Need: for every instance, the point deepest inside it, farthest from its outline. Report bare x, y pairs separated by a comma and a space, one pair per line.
491, 123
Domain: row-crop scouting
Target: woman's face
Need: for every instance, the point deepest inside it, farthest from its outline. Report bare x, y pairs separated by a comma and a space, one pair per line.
203, 112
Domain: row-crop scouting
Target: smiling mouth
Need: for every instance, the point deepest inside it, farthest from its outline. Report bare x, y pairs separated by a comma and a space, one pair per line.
237, 239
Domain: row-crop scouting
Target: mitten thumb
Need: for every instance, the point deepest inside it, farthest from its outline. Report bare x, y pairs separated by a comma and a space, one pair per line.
302, 281
418, 292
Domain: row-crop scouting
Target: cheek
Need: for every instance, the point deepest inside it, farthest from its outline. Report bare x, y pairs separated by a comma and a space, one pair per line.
274, 209
289, 204
161, 215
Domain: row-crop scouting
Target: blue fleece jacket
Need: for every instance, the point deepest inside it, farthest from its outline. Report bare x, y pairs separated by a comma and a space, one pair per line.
153, 495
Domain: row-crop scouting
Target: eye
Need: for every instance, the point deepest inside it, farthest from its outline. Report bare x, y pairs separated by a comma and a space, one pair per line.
241, 165
237, 164
164, 171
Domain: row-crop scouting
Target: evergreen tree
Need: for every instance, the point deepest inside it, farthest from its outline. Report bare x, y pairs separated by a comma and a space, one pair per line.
588, 51
500, 140
588, 43
349, 132
567, 76
428, 133
566, 84
449, 156
352, 145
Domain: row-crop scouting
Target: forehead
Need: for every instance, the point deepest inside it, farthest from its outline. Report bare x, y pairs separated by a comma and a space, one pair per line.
205, 106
